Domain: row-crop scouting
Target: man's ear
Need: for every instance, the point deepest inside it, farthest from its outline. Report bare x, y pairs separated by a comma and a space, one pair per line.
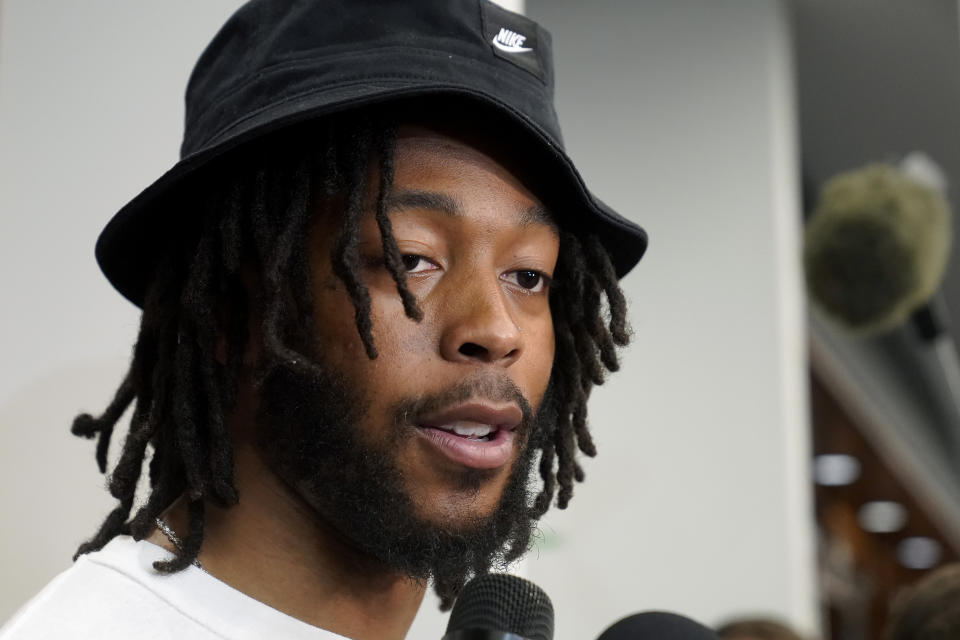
220, 344
252, 338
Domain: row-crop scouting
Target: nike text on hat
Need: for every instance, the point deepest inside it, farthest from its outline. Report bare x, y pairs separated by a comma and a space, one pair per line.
276, 63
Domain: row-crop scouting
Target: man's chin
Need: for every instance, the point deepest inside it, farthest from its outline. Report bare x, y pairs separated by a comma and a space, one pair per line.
463, 502
453, 517
463, 483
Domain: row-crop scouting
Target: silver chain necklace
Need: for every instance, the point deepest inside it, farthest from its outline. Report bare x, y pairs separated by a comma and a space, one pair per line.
175, 540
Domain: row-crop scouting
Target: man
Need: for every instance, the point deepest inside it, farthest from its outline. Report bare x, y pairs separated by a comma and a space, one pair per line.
756, 629
376, 295
928, 609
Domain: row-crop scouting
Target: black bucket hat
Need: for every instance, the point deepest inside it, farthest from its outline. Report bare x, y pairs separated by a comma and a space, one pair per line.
277, 63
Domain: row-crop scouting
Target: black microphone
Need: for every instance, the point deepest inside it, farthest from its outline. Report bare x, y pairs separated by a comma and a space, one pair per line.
657, 625
496, 606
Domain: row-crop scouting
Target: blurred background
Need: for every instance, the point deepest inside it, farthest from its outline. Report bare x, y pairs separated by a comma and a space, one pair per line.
757, 456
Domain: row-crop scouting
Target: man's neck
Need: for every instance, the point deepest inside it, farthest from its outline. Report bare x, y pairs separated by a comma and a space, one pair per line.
272, 547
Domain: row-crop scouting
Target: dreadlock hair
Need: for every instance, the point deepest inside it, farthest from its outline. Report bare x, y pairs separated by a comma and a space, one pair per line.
257, 211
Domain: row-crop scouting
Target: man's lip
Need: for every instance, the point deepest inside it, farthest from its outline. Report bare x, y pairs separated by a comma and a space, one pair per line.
467, 452
507, 417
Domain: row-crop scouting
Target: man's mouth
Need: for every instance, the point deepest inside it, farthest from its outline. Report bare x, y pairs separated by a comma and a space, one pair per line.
471, 430
474, 434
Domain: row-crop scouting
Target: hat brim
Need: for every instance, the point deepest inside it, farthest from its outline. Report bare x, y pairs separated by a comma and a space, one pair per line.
136, 238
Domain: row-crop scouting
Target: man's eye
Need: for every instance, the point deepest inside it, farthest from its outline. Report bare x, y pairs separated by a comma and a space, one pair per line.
414, 263
533, 281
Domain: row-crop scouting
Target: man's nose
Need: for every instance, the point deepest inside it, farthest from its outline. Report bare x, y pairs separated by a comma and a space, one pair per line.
478, 325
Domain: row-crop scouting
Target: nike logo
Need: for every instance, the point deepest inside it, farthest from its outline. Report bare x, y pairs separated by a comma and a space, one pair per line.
510, 41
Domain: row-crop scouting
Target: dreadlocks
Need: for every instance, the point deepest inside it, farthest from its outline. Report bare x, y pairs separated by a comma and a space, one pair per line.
257, 212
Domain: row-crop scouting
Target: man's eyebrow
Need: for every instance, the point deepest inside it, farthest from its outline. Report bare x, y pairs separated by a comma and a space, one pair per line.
537, 214
443, 203
430, 200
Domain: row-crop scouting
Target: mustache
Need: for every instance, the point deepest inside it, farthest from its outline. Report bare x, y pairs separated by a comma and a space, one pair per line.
486, 387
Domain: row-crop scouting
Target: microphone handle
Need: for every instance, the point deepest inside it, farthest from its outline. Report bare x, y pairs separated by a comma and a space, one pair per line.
481, 634
932, 323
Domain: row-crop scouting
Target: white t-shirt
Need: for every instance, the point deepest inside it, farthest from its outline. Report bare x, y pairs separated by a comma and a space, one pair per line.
116, 593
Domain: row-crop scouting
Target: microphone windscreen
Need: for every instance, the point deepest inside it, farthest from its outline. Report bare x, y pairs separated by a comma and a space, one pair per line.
657, 625
504, 603
876, 247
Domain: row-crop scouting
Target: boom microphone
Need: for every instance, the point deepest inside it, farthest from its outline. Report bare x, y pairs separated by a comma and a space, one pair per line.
497, 606
876, 249
877, 244
657, 625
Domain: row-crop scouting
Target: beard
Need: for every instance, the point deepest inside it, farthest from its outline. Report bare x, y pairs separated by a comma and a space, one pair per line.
308, 426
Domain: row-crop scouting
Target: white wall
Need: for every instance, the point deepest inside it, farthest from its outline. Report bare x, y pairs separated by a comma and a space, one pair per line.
679, 113
90, 113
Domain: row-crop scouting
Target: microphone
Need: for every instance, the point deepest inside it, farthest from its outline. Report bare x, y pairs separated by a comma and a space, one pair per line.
496, 606
657, 625
877, 244
875, 252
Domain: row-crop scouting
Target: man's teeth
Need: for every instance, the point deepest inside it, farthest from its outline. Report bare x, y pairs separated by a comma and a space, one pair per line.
470, 430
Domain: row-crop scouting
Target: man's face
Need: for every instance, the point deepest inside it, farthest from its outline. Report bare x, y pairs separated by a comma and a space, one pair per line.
421, 457
444, 398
